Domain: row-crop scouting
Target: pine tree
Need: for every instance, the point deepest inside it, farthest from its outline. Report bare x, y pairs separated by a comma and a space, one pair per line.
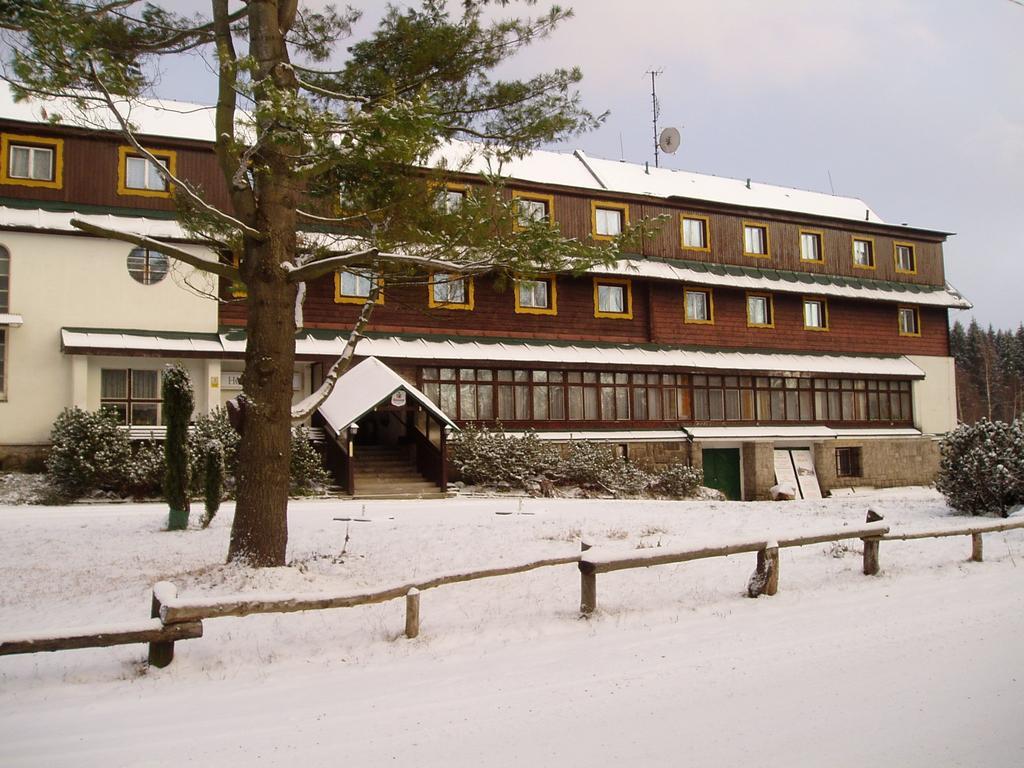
300, 127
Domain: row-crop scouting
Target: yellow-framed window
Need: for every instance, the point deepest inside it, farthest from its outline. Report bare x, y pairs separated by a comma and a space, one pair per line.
613, 298
450, 197
908, 320
905, 258
694, 232
863, 252
353, 287
698, 306
450, 290
536, 295
608, 220
138, 176
31, 161
812, 246
760, 310
755, 240
815, 313
531, 207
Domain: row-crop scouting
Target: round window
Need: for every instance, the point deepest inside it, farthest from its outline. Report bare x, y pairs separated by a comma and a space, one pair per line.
146, 266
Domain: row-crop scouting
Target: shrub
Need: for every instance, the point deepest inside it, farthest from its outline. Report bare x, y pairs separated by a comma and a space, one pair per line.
88, 453
484, 456
145, 471
178, 404
982, 467
214, 426
308, 475
213, 480
589, 464
679, 481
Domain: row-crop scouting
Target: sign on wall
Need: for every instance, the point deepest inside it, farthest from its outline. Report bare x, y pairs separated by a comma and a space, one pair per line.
398, 398
232, 380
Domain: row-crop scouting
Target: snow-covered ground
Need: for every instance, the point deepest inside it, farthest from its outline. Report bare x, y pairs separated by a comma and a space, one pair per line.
920, 666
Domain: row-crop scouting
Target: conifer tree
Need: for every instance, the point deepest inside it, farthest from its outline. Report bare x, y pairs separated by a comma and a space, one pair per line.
178, 403
309, 136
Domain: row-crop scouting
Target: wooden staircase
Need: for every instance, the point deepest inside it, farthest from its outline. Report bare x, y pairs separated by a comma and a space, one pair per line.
389, 472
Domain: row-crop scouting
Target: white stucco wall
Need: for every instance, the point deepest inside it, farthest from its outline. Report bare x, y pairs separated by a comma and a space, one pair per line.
935, 395
76, 281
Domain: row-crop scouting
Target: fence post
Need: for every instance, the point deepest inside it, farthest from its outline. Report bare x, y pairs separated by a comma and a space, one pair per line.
977, 551
771, 553
588, 585
162, 653
871, 546
412, 613
765, 578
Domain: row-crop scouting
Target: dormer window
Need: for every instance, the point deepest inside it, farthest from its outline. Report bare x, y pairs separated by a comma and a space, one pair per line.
811, 247
906, 260
138, 175
31, 161
608, 219
352, 287
531, 208
755, 240
451, 198
863, 253
695, 233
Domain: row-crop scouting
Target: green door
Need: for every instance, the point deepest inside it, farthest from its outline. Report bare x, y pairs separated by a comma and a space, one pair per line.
722, 471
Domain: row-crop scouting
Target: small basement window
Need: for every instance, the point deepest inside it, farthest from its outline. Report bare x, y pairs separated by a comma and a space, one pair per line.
848, 462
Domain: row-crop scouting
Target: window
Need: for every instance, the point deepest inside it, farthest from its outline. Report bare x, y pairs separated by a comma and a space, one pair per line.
536, 296
695, 233
905, 260
449, 290
810, 246
31, 161
863, 253
755, 240
909, 321
352, 287
451, 198
759, 311
698, 306
138, 175
3, 363
132, 395
613, 298
848, 462
146, 266
531, 208
815, 315
608, 219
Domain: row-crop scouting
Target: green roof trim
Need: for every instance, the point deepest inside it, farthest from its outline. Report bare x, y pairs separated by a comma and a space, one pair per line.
59, 206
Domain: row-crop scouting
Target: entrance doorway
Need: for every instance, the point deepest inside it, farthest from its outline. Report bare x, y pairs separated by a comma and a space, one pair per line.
722, 471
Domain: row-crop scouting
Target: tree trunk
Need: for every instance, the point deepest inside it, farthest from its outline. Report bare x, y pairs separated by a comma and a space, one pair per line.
259, 533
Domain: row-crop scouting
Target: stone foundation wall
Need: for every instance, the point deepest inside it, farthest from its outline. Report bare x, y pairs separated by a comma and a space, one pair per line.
653, 456
23, 458
884, 463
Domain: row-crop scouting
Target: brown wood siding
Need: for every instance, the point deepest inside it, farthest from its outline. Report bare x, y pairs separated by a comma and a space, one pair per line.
91, 172
572, 213
855, 327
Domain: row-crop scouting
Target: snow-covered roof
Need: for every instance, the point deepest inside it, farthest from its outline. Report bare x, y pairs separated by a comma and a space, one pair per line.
626, 355
577, 169
326, 344
364, 386
795, 432
753, 278
149, 117
60, 221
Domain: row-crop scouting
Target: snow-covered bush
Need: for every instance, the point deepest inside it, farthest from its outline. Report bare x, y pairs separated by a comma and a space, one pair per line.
145, 471
679, 481
982, 467
589, 464
214, 426
487, 457
308, 475
89, 452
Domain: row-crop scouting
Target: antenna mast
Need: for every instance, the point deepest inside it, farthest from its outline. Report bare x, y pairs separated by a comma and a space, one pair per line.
655, 109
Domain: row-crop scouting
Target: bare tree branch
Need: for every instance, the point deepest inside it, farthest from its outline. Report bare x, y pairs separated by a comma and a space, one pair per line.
224, 270
305, 408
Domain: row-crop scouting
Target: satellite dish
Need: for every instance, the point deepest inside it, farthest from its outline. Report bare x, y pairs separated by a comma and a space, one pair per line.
669, 140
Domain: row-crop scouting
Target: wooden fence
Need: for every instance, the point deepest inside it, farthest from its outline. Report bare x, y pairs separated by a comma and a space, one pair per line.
173, 618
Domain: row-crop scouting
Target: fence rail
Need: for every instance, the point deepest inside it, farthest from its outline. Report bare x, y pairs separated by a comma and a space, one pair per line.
174, 618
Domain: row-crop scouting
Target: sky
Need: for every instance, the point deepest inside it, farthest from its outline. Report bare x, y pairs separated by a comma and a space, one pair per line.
914, 106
